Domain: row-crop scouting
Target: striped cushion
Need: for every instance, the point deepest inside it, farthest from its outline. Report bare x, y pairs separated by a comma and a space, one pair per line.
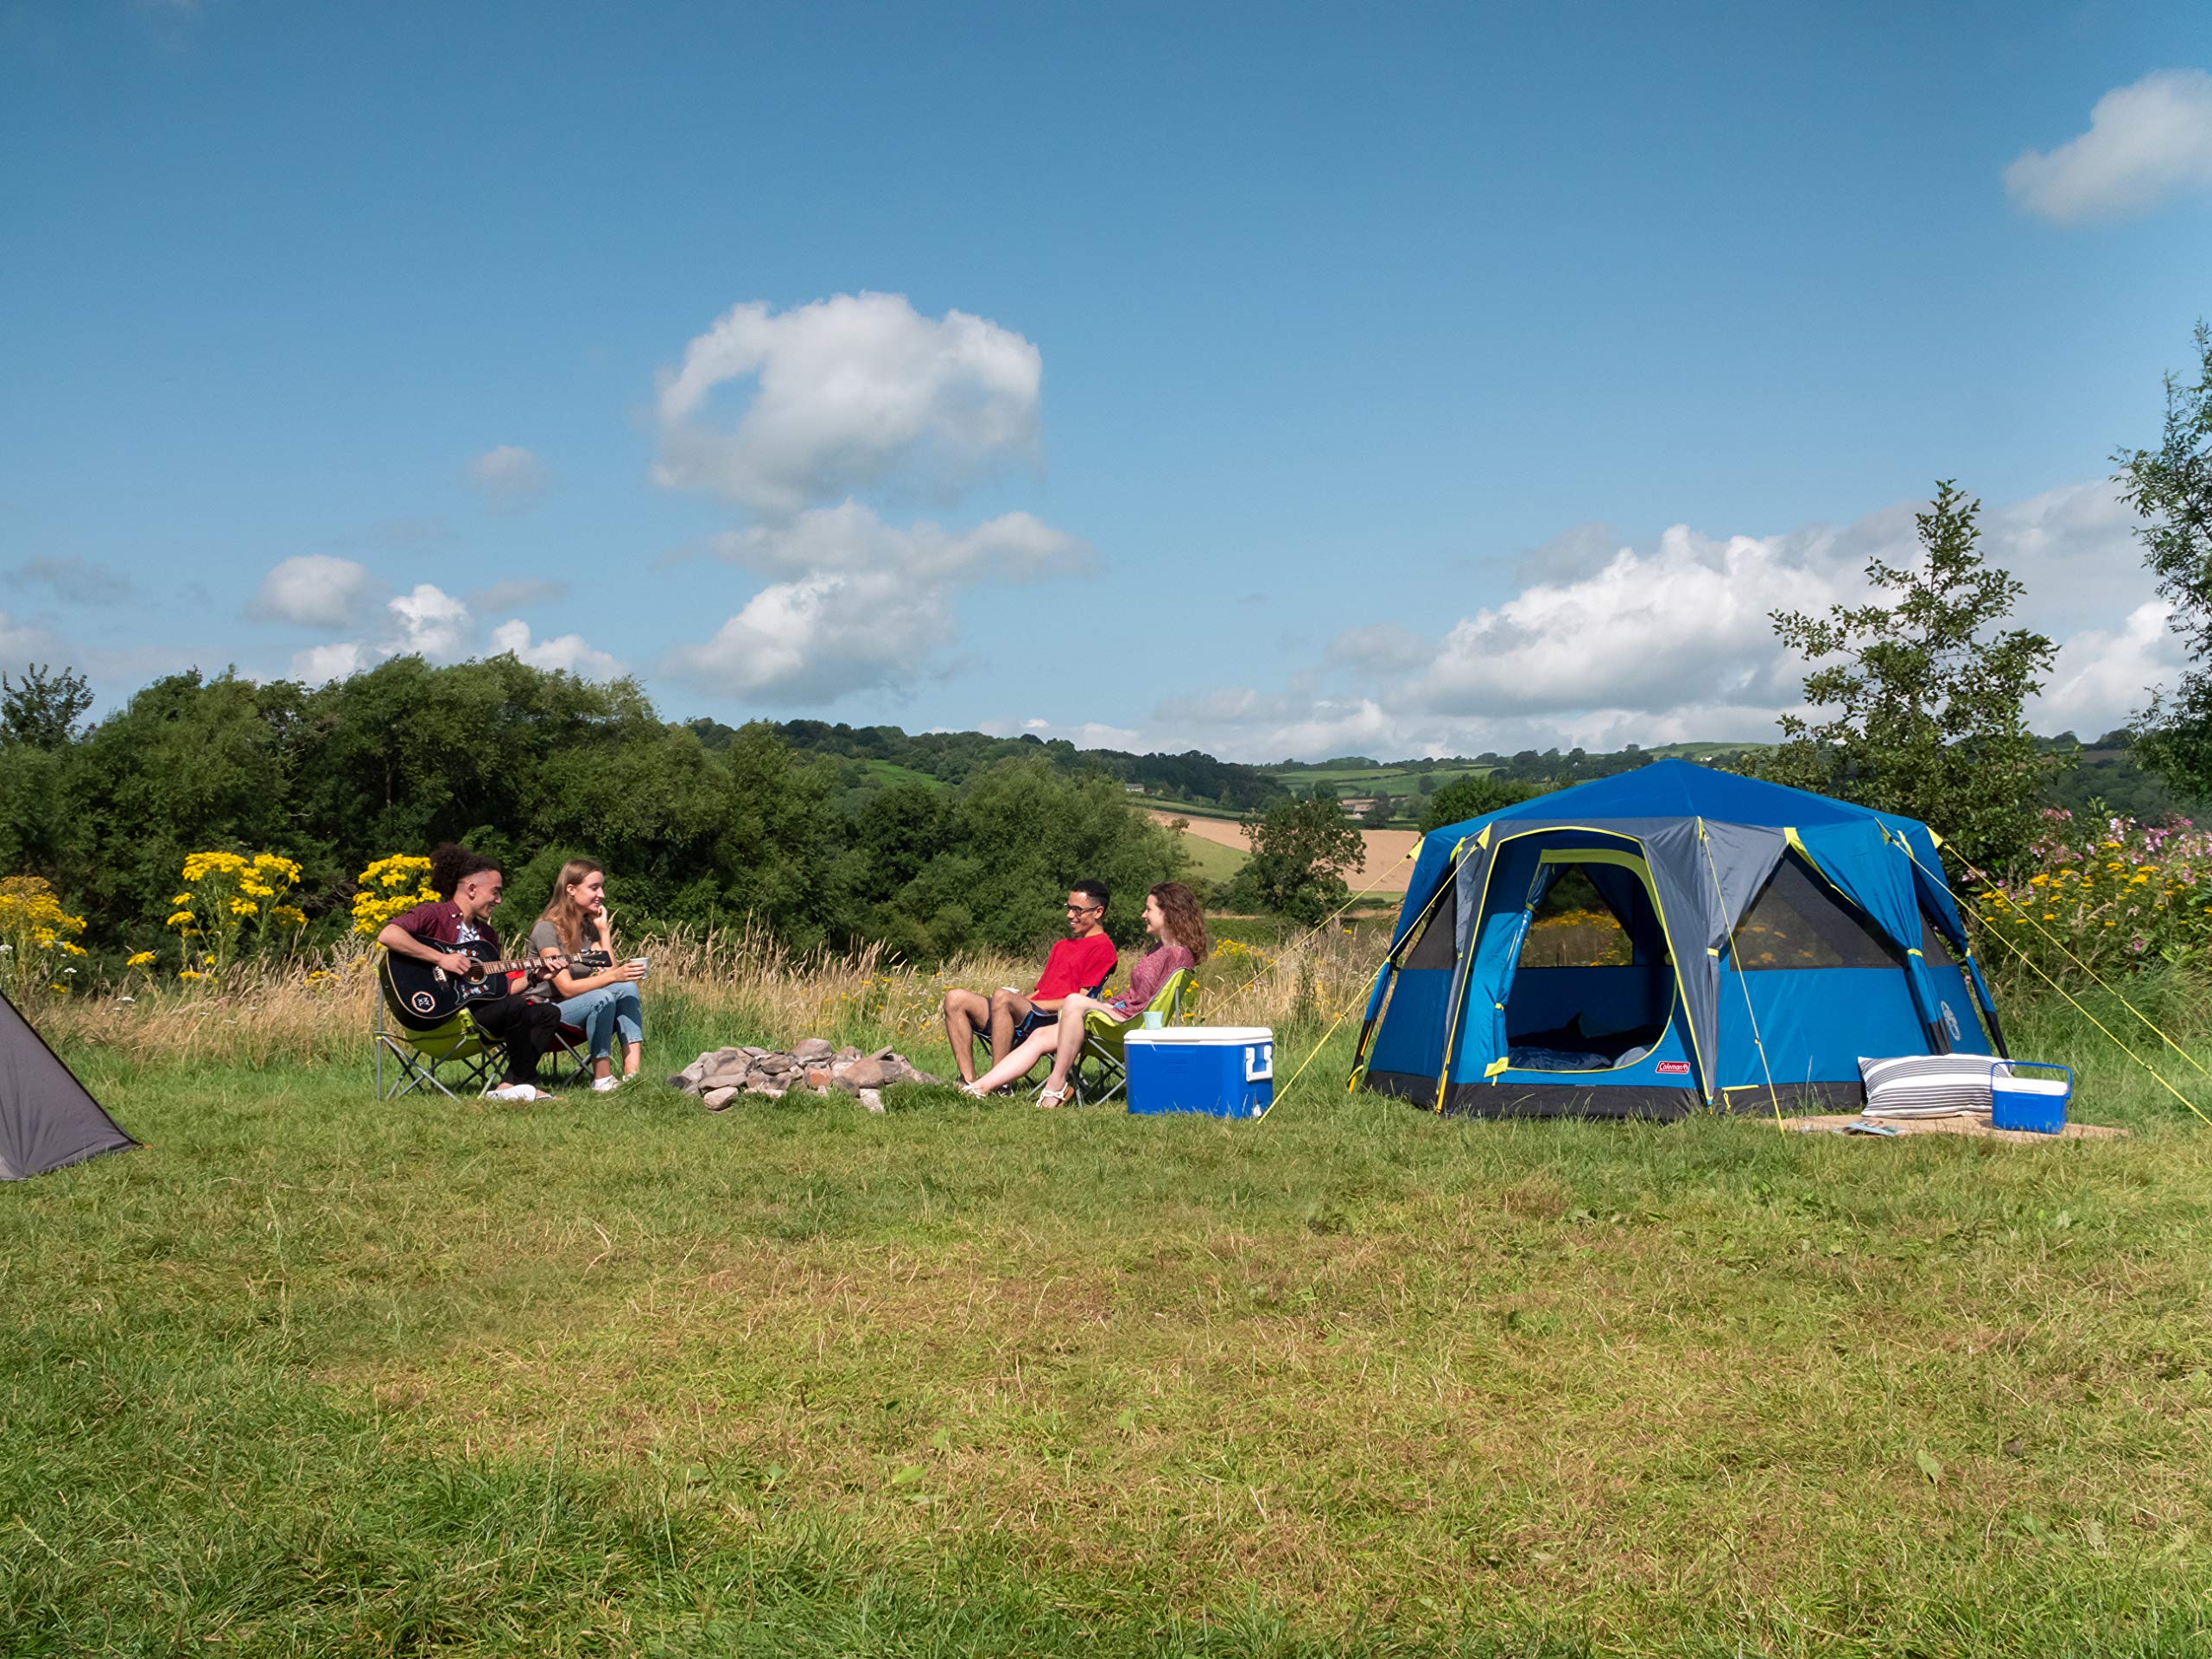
1929, 1085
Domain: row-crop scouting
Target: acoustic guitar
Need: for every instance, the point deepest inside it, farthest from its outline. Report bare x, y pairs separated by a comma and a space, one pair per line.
423, 997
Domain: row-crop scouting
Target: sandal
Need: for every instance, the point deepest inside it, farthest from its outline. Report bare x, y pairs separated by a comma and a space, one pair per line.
1048, 1096
975, 1093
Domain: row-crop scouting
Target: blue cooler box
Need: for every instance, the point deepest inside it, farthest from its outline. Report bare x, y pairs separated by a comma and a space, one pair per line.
1229, 1071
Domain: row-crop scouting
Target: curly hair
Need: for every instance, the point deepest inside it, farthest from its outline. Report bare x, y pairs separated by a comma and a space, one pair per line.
1187, 922
453, 864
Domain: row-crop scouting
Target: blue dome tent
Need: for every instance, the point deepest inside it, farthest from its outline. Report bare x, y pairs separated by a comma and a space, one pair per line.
1669, 940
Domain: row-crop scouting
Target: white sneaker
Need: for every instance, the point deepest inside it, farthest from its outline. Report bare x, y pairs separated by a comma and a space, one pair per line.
604, 1085
513, 1091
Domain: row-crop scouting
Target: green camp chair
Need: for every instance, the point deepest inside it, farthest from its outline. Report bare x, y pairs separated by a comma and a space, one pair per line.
1101, 1072
456, 1049
1023, 1028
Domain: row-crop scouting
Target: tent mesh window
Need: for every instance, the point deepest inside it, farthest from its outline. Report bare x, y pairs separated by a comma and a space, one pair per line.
1435, 945
1933, 945
1575, 927
1798, 921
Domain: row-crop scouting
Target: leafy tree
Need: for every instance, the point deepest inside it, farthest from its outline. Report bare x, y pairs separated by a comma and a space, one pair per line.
2170, 487
1300, 850
1471, 797
1927, 703
1379, 813
43, 710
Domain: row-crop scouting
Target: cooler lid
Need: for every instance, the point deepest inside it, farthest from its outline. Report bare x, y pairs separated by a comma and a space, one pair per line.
1222, 1035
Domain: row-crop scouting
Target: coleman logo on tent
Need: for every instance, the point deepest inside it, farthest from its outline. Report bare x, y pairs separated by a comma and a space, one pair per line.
1673, 1068
1950, 1020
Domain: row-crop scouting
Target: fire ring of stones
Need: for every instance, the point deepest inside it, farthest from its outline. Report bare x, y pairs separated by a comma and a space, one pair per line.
720, 1075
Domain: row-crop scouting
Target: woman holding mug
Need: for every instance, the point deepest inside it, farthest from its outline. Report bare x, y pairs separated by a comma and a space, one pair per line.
1177, 927
596, 990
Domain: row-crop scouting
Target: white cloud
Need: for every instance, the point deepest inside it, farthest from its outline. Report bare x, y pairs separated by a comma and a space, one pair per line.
568, 652
509, 475
2103, 675
2146, 141
860, 604
319, 665
850, 392
432, 622
426, 620
851, 540
313, 590
1673, 642
24, 643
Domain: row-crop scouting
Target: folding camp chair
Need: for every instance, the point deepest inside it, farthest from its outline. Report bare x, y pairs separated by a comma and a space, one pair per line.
1023, 1028
456, 1049
1100, 1073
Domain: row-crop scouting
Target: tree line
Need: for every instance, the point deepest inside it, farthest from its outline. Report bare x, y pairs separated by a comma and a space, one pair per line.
531, 767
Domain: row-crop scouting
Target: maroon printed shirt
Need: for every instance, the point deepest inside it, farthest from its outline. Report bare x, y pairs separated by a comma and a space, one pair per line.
440, 924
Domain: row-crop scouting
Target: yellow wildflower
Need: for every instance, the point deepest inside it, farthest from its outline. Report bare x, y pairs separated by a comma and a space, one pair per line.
190, 973
181, 918
138, 959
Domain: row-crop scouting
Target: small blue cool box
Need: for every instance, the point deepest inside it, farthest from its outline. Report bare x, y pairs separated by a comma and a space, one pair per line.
1228, 1070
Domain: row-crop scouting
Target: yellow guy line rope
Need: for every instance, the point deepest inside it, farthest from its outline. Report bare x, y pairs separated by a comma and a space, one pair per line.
2014, 904
1757, 1041
1312, 1052
2100, 1026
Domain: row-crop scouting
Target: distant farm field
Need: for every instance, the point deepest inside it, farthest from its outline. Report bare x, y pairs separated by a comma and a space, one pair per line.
1388, 867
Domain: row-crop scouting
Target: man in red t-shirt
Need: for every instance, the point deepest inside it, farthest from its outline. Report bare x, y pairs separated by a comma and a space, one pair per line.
1080, 962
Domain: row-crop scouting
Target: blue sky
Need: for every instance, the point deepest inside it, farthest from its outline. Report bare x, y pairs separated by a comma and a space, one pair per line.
1278, 380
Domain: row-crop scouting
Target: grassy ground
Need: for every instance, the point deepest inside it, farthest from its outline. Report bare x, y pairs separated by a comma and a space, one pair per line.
613, 1375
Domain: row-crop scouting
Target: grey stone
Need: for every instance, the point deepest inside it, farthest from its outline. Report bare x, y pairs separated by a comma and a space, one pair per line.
872, 1100
684, 1081
845, 1084
729, 1076
715, 1100
814, 1048
848, 1052
865, 1075
776, 1064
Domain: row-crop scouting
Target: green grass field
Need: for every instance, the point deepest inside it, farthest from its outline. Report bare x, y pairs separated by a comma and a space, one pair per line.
613, 1375
1213, 861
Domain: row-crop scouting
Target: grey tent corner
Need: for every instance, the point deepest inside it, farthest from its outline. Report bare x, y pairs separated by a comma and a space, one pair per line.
47, 1118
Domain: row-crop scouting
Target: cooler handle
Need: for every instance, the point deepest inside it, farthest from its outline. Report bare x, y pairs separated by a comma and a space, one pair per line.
1259, 1062
2008, 1068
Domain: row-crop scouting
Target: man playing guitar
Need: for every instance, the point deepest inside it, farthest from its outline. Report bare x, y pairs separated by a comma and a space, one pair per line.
445, 933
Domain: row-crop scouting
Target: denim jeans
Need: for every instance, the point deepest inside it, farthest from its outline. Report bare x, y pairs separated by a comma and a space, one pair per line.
602, 1012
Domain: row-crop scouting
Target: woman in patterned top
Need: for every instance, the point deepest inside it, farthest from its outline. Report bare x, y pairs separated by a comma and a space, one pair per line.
1178, 926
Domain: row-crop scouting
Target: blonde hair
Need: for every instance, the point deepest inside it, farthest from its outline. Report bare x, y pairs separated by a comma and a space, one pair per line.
564, 912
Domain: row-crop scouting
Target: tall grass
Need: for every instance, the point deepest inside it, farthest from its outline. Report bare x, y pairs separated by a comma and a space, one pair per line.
727, 985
